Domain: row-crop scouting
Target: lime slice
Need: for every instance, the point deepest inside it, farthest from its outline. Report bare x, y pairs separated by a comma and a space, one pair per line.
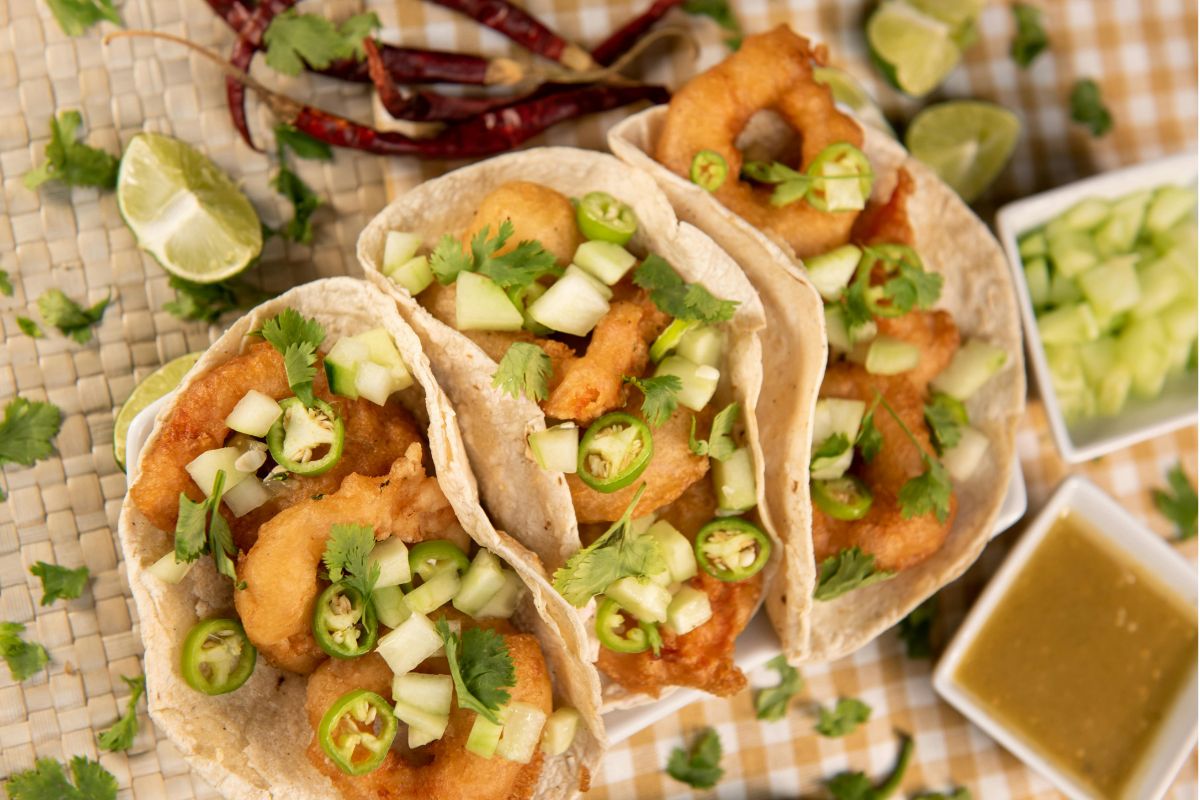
185, 211
156, 385
850, 93
955, 13
915, 51
966, 142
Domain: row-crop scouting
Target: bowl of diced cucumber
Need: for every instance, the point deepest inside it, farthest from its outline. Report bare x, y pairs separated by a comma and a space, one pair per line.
1106, 269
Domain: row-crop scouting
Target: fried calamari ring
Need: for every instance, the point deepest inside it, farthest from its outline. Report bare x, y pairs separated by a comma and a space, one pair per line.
772, 71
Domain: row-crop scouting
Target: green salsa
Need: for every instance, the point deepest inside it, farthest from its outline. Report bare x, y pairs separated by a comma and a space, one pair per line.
1083, 657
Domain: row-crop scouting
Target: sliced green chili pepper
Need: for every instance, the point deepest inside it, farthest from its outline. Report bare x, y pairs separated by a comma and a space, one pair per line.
343, 623
637, 636
426, 558
615, 450
358, 723
605, 218
844, 498
709, 170
732, 549
849, 162
301, 430
217, 657
891, 258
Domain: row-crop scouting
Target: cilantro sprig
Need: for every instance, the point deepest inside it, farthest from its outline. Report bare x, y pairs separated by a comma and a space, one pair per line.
843, 719
512, 271
1030, 39
303, 199
771, 704
26, 431
929, 492
120, 735
792, 185
208, 302
293, 40
346, 558
30, 328
69, 160
857, 786
481, 668
848, 570
1178, 502
48, 781
524, 369
659, 397
297, 338
1088, 109
916, 629
700, 765
672, 295
832, 447
23, 658
202, 529
946, 417
69, 317
720, 444
869, 441
59, 583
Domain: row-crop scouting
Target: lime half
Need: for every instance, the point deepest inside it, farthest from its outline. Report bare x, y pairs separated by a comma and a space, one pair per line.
915, 51
850, 93
966, 142
156, 385
185, 211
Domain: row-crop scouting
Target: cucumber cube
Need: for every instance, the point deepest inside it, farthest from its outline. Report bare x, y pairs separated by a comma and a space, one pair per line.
1085, 215
484, 737
889, 356
1032, 244
556, 449
433, 726
834, 416
1120, 231
341, 365
1111, 287
690, 608
399, 247
1037, 278
170, 571
246, 496
523, 725
571, 305
560, 731
483, 579
203, 468
1072, 253
439, 589
641, 597
413, 275
605, 261
391, 555
1169, 206
1063, 290
600, 286
1112, 391
1161, 281
676, 549
970, 368
962, 460
835, 331
670, 338
481, 305
390, 608
504, 603
831, 272
374, 382
382, 350
734, 482
1072, 324
433, 694
415, 640
254, 414
703, 345
699, 380
1143, 348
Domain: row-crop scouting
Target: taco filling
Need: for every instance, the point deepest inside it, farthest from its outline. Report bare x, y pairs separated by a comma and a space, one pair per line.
626, 361
302, 472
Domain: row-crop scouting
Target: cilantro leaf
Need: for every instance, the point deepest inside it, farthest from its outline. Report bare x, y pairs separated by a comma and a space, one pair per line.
1031, 39
659, 397
483, 670
26, 431
857, 786
191, 529
910, 284
220, 540
614, 555
849, 569
76, 16
6, 287
945, 416
929, 492
790, 185
525, 369
870, 440
304, 204
1178, 502
699, 767
686, 301
30, 328
69, 160
288, 137
513, 271
916, 629
48, 781
200, 528
856, 311
1088, 109
519, 267
357, 28
448, 259
346, 557
958, 793
296, 338
720, 444
208, 302
23, 658
843, 718
69, 317
833, 446
59, 583
122, 732
772, 703
721, 13
293, 40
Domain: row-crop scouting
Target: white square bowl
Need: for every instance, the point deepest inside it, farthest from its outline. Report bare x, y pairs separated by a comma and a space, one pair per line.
1140, 419
1140, 545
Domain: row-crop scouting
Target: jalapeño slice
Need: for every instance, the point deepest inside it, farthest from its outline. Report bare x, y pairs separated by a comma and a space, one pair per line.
217, 657
300, 431
602, 217
615, 450
838, 164
891, 258
844, 498
709, 170
622, 635
732, 549
357, 731
426, 558
344, 623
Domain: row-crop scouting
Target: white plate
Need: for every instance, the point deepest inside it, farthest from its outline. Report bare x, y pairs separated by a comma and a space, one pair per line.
757, 645
1141, 419
1140, 545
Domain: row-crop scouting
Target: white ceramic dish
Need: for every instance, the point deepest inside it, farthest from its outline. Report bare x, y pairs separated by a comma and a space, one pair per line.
1140, 419
1142, 546
757, 645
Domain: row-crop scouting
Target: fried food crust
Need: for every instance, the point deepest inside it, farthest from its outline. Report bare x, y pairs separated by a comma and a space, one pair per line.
537, 212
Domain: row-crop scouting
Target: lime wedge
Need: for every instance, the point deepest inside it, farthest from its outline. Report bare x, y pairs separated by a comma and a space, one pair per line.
915, 51
955, 13
966, 142
851, 94
185, 211
156, 385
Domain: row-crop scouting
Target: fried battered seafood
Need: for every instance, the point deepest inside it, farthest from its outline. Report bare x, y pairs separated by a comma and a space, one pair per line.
280, 570
443, 769
771, 71
537, 213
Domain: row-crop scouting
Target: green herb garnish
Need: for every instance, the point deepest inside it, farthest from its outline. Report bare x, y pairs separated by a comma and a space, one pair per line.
525, 369
26, 431
699, 766
1030, 39
297, 338
849, 569
842, 719
1088, 109
120, 736
347, 558
293, 40
659, 399
916, 629
1178, 502
857, 786
686, 301
23, 658
69, 317
48, 781
59, 583
482, 671
720, 444
771, 704
71, 161
76, 16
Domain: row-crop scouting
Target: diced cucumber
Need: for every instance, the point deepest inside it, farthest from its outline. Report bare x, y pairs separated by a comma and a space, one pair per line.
560, 731
390, 608
641, 597
1170, 205
419, 738
699, 380
600, 286
413, 275
1070, 384
254, 414
1032, 245
523, 725
1143, 348
1071, 324
835, 331
504, 602
1119, 232
415, 640
689, 609
830, 272
1086, 214
246, 496
1072, 253
382, 349
842, 195
734, 484
435, 592
531, 293
482, 580
374, 382
571, 305
964, 458
971, 367
399, 247
433, 726
833, 416
703, 345
1179, 320
556, 449
481, 305
1111, 287
1037, 278
484, 737
676, 549
1161, 282
640, 525
606, 261
669, 339
203, 468
890, 356
168, 570
431, 693
1098, 358
1063, 290
341, 365
1112, 390
391, 555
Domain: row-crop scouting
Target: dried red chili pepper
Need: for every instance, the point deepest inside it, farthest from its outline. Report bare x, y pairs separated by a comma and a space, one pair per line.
625, 37
250, 37
421, 106
523, 28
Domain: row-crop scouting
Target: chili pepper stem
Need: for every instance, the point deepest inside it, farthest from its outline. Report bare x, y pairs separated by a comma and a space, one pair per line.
611, 73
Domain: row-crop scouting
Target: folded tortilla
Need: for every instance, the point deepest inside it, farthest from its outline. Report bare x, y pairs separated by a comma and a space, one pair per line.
531, 503
251, 743
979, 293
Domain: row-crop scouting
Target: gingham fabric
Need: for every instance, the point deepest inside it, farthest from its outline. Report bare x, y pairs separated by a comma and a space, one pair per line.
64, 509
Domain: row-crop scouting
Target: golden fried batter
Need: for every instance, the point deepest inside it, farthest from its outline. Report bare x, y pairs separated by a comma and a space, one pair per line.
933, 332
888, 222
593, 384
537, 212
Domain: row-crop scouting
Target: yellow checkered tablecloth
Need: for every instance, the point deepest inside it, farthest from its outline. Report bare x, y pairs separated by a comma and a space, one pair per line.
64, 510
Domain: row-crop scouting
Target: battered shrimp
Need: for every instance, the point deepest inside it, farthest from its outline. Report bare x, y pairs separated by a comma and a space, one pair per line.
280, 570
443, 769
888, 221
537, 212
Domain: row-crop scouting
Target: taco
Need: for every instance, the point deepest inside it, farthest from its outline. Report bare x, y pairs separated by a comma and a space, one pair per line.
912, 438
605, 364
336, 616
